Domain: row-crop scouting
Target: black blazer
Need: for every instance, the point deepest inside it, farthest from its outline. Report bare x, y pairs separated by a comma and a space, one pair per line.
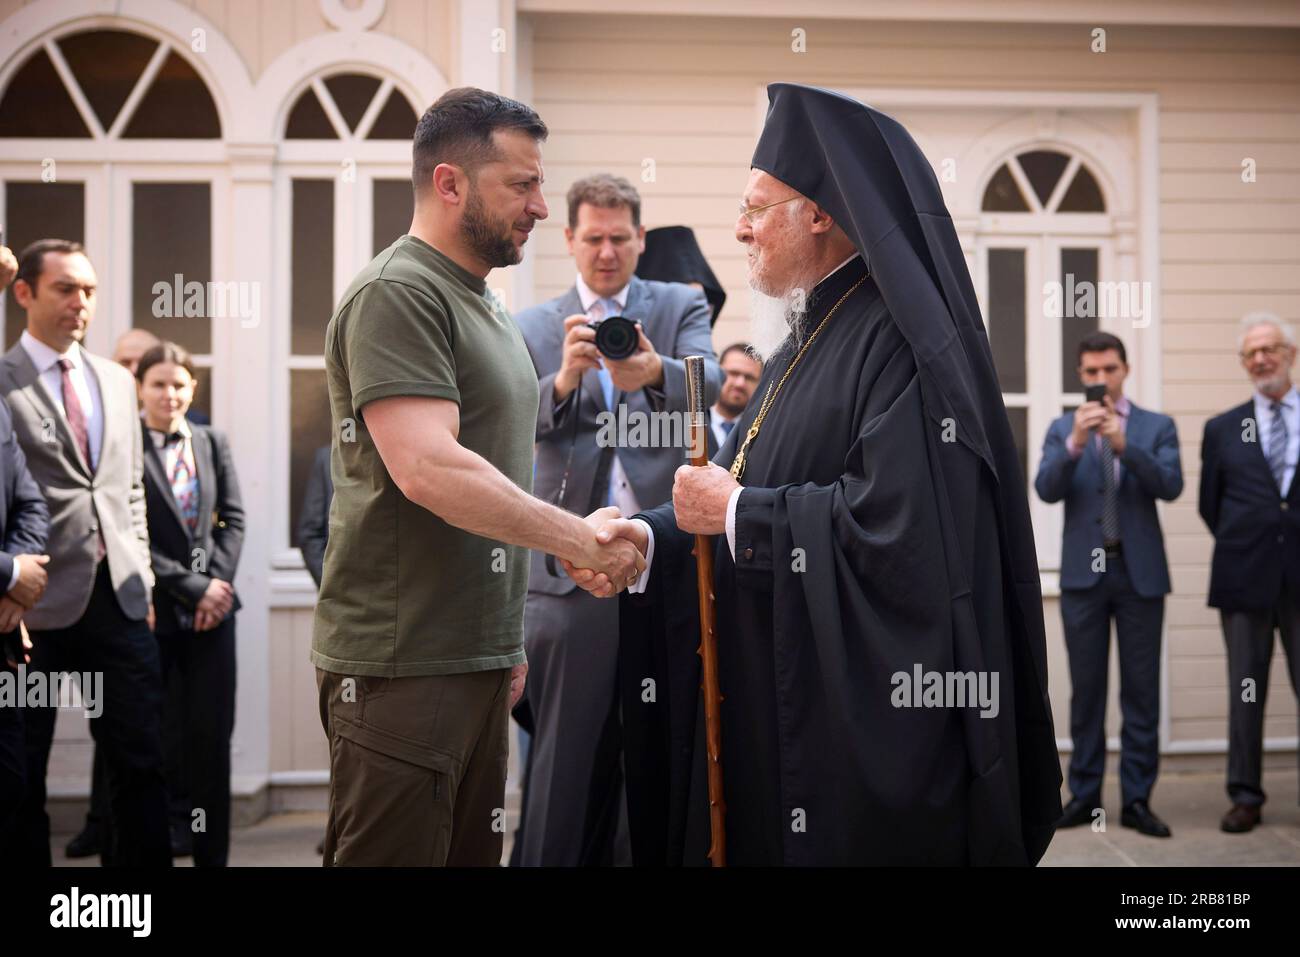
24, 516
1256, 531
314, 519
183, 563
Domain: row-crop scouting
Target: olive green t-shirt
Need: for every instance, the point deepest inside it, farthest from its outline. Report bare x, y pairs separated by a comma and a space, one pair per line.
403, 592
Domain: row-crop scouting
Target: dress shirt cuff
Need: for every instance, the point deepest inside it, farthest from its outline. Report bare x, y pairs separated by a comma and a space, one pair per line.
13, 577
639, 586
731, 521
1073, 450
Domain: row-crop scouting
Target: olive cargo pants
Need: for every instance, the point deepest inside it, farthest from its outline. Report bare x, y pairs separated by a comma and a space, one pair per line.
417, 768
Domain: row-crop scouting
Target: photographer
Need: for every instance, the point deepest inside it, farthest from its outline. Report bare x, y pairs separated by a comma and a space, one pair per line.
573, 794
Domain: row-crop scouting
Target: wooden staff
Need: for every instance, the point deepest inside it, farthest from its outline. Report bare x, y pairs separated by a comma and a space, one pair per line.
708, 650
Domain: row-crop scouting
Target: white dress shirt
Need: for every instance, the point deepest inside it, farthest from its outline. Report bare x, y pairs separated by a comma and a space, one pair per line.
730, 526
84, 382
1263, 427
620, 487
716, 419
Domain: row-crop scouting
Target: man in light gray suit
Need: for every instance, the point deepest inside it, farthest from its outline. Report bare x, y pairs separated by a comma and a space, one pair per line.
76, 420
609, 432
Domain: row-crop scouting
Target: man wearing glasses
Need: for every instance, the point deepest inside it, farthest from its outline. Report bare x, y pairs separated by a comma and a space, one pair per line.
1251, 503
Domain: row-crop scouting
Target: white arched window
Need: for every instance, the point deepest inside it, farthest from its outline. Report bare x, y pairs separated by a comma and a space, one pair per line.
343, 193
111, 138
1043, 240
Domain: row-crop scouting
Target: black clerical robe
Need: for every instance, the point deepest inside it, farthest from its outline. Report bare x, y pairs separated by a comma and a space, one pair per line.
867, 544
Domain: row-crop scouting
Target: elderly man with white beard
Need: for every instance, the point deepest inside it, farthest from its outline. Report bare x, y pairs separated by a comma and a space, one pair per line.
874, 559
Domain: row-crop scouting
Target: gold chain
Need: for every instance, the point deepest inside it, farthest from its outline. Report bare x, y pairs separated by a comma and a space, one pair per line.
773, 390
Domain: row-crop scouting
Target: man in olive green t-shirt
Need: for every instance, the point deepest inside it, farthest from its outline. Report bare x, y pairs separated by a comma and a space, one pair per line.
418, 639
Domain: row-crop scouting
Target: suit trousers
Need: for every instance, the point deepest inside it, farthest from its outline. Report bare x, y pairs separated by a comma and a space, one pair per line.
13, 770
128, 730
199, 718
417, 768
1086, 616
575, 808
1249, 639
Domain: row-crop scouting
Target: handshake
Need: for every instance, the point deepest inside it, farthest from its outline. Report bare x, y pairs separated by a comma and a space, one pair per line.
614, 557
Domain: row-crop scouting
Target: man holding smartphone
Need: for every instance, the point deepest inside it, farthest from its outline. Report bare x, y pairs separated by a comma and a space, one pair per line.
1110, 460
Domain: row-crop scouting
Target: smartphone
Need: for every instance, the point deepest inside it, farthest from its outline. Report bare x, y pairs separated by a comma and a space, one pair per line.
1094, 393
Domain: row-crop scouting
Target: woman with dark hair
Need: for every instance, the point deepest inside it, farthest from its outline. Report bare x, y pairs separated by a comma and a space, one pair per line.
673, 255
196, 529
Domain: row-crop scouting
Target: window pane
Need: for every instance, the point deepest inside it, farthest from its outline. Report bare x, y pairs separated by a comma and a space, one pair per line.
107, 64
39, 211
396, 121
312, 291
177, 105
171, 262
36, 103
1079, 310
203, 393
1003, 195
1083, 195
307, 120
1043, 168
1019, 419
309, 419
352, 93
394, 204
1007, 316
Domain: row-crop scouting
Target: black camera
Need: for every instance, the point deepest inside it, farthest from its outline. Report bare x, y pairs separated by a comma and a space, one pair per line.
616, 336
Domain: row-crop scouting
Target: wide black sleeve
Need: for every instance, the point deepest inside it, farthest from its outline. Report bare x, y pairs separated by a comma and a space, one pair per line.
27, 526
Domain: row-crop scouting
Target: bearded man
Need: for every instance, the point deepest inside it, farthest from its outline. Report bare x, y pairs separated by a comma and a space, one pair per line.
419, 635
879, 617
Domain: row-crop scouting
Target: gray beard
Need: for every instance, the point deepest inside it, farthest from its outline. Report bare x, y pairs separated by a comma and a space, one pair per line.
776, 320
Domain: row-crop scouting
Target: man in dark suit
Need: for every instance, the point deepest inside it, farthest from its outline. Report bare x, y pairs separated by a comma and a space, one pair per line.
1110, 461
741, 370
314, 519
75, 417
24, 528
1251, 503
573, 800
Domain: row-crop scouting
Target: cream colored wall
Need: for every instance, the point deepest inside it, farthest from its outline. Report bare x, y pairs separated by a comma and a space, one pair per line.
617, 91
261, 30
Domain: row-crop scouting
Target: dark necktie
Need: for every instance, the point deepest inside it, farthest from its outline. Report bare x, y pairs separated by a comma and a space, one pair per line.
1110, 495
727, 427
1277, 446
76, 415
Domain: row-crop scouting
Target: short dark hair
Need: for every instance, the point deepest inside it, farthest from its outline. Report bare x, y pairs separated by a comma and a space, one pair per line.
165, 352
458, 129
32, 259
604, 191
744, 347
1102, 342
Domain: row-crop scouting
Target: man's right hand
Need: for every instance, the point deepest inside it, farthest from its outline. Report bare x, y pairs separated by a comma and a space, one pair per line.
1087, 417
610, 530
32, 579
217, 600
613, 563
11, 613
580, 354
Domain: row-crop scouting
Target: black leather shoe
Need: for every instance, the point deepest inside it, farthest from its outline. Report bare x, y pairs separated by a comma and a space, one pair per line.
1240, 819
1078, 812
85, 844
1139, 815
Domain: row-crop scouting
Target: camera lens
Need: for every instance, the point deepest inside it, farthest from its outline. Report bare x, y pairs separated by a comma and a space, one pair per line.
616, 337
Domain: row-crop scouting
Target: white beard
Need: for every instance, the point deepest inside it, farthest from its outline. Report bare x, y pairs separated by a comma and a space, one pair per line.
773, 320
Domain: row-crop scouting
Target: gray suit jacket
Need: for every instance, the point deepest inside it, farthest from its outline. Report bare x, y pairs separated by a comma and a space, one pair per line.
81, 502
676, 321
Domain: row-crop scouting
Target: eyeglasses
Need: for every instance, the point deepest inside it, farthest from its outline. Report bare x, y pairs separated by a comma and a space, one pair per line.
747, 212
1269, 351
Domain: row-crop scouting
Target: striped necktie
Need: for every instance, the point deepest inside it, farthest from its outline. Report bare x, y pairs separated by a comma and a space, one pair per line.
1277, 446
1110, 495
